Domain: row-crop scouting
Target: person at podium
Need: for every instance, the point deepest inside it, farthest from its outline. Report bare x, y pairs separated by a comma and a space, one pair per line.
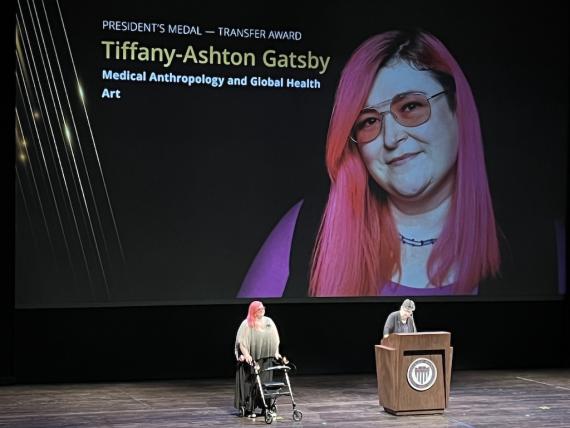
401, 321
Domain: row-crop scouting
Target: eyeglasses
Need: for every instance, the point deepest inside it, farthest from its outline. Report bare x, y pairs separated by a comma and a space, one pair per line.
408, 109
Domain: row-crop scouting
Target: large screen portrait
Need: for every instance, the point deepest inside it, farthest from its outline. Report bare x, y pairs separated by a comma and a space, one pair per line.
171, 153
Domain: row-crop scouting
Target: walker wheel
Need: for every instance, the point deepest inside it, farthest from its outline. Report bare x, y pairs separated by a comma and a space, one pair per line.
268, 417
297, 415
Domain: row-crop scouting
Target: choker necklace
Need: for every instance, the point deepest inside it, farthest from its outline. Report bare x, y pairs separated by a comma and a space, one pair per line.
415, 242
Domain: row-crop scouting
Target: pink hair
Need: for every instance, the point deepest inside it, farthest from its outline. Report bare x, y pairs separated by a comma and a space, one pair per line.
358, 249
253, 308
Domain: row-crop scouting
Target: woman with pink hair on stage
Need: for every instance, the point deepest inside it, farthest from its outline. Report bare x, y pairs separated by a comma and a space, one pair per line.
257, 341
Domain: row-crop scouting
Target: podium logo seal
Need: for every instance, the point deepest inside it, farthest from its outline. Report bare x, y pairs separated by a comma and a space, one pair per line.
422, 374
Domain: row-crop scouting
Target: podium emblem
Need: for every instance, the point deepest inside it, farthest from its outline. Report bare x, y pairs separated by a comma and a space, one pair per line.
422, 374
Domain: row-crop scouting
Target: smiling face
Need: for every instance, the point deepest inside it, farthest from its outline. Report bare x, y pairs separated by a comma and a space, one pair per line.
260, 313
412, 164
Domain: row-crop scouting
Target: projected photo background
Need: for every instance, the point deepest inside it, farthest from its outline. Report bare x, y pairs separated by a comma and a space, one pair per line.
173, 154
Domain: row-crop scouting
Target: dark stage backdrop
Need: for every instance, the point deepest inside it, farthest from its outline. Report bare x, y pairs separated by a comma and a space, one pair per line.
190, 342
156, 149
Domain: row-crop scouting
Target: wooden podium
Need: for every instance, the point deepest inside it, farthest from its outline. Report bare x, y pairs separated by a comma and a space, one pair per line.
414, 372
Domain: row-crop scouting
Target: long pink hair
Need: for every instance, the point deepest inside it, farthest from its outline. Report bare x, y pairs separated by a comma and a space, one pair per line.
253, 308
357, 250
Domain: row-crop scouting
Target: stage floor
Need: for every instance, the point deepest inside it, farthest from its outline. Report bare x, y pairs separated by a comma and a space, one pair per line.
537, 398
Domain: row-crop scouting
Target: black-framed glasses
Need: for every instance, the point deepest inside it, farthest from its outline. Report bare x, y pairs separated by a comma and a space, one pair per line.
408, 109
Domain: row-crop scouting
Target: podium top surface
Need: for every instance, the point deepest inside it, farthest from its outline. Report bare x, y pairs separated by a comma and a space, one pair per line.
418, 341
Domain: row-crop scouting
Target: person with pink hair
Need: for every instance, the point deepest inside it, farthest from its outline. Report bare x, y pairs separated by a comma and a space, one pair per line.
257, 341
409, 204
409, 210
